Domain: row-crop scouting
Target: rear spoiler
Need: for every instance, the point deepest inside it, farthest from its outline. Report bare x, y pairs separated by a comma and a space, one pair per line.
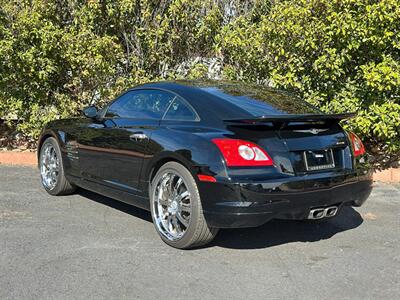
284, 119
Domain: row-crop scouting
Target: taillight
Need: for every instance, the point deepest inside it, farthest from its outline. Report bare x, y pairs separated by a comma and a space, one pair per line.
239, 153
358, 146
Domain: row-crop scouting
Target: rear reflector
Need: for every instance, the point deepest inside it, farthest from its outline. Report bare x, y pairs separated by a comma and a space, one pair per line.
240, 153
208, 178
358, 146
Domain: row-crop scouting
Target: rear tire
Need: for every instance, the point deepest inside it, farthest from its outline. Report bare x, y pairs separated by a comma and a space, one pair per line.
176, 208
52, 169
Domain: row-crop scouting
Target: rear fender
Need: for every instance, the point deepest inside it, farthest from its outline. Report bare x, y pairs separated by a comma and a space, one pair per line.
196, 153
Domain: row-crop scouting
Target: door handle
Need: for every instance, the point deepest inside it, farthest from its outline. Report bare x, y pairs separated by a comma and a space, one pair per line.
138, 136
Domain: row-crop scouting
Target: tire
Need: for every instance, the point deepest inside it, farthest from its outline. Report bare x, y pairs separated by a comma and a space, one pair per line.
59, 185
188, 209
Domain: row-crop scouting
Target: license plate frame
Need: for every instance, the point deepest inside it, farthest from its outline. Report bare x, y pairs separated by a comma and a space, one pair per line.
319, 160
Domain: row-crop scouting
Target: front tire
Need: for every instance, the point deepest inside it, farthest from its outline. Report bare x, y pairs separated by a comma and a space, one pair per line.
52, 170
176, 208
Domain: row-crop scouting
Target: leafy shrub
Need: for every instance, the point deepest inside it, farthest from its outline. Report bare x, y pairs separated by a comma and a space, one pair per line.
49, 70
341, 55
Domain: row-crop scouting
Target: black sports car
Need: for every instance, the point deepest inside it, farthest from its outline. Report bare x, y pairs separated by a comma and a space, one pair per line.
204, 155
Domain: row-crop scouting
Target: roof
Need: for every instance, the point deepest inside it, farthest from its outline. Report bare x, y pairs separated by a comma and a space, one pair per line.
232, 99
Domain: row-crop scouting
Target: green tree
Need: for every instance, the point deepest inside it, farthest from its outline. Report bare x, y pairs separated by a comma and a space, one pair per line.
341, 55
51, 66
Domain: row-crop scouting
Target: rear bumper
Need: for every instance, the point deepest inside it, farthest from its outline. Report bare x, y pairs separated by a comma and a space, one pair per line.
235, 205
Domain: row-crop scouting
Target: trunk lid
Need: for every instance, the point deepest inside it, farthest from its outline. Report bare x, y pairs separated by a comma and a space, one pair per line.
298, 144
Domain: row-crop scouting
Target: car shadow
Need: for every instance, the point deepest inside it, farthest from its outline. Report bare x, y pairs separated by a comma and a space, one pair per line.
273, 233
278, 232
121, 206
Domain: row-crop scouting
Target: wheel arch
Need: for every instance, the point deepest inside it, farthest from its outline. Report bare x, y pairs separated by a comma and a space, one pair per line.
44, 136
41, 140
165, 157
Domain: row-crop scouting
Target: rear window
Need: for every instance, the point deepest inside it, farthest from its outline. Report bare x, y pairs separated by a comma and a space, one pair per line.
259, 101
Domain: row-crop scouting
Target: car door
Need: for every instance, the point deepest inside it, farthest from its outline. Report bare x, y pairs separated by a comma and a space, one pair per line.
113, 147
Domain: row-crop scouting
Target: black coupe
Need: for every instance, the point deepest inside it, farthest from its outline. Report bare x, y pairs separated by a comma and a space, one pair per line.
204, 155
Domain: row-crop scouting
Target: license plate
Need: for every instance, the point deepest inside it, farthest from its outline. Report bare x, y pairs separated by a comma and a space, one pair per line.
319, 160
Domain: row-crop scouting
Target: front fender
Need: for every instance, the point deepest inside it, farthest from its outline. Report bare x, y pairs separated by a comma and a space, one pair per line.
48, 132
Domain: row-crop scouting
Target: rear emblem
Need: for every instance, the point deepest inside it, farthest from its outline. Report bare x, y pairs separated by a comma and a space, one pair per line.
312, 130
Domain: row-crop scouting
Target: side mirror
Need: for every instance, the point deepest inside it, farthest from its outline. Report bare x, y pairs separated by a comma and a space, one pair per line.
90, 112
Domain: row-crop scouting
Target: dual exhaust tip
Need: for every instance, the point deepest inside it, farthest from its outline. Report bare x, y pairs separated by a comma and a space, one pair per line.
319, 213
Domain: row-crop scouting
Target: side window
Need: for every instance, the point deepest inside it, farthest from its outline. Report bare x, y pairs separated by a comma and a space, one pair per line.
141, 104
179, 110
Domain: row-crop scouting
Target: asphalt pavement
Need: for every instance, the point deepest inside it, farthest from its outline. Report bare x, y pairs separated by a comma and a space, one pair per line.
86, 246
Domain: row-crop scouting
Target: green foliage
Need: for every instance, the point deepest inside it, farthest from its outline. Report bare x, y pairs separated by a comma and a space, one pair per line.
59, 56
341, 55
49, 70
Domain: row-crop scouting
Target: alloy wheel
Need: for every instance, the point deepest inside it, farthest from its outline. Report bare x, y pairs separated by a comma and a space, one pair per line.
49, 166
171, 206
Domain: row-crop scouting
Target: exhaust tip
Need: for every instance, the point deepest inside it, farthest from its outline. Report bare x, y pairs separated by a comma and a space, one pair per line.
316, 214
331, 211
319, 213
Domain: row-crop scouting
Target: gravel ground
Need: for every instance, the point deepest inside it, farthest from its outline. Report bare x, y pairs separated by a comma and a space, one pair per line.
88, 246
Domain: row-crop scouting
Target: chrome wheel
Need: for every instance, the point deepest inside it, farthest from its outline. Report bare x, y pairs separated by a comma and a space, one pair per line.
49, 166
171, 206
